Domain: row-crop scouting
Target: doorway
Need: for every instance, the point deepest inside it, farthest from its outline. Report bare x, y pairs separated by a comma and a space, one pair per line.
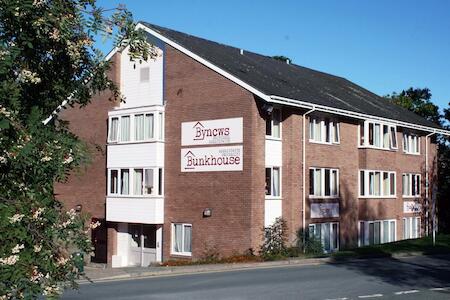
142, 244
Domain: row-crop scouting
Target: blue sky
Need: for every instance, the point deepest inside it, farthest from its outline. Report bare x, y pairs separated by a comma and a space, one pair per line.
382, 45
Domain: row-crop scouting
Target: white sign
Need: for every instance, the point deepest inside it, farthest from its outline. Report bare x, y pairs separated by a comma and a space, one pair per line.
324, 210
411, 207
221, 131
225, 158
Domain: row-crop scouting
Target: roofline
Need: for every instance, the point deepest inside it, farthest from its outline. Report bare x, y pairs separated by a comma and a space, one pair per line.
279, 99
356, 115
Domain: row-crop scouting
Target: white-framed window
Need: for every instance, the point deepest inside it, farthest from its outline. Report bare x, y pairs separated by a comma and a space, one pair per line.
327, 234
144, 74
143, 127
161, 125
323, 182
411, 143
113, 134
377, 135
376, 232
411, 185
273, 124
125, 128
273, 181
135, 181
373, 183
182, 239
411, 228
324, 130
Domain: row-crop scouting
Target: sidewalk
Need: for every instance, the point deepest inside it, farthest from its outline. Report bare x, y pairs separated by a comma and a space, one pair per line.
96, 274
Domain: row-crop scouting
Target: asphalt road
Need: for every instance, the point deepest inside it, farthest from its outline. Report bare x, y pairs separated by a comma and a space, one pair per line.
419, 277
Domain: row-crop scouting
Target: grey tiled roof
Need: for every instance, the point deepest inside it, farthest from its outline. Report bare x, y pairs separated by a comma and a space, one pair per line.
274, 77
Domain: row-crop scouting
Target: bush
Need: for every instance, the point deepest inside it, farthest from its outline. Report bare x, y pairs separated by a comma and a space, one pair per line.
312, 246
274, 246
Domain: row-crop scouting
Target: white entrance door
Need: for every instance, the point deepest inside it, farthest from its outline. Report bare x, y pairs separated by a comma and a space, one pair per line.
142, 247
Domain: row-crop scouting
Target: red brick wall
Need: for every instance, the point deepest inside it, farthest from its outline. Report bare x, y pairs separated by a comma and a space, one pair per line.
194, 92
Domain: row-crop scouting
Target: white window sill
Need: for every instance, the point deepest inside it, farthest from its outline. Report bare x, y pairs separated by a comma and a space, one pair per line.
410, 197
134, 196
269, 197
135, 142
324, 143
378, 148
411, 153
272, 138
185, 254
377, 197
323, 197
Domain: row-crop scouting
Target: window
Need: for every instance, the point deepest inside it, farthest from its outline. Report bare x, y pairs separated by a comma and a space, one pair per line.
273, 124
411, 143
114, 130
161, 126
144, 181
327, 234
411, 185
273, 181
377, 135
376, 183
411, 228
182, 239
145, 74
143, 127
323, 182
323, 130
125, 128
376, 232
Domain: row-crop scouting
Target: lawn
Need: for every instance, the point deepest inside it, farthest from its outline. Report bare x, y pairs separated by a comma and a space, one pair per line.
423, 245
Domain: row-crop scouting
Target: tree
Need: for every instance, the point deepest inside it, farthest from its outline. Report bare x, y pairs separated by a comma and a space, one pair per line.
418, 101
47, 56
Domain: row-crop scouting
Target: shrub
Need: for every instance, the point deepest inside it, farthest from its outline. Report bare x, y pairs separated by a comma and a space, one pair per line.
274, 245
313, 246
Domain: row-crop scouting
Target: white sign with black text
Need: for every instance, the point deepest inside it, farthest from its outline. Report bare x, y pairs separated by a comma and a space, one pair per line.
324, 210
207, 159
411, 207
208, 132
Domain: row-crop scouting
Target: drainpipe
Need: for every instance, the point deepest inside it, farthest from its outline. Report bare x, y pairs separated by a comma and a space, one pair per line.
427, 190
304, 174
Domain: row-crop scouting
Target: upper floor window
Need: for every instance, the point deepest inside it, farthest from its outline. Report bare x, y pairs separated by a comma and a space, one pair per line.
136, 127
323, 182
376, 183
411, 143
411, 185
273, 181
273, 124
136, 181
378, 135
323, 130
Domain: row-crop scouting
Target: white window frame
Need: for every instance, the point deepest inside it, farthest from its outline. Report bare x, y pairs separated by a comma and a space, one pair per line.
172, 246
322, 187
366, 241
409, 141
322, 236
155, 192
409, 191
414, 233
271, 136
381, 125
110, 129
272, 196
333, 126
367, 184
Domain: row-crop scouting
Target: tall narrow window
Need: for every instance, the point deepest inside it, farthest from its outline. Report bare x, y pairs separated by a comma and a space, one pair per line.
276, 121
114, 182
137, 180
148, 182
182, 239
161, 126
138, 127
124, 181
411, 143
148, 126
125, 128
392, 231
273, 181
362, 233
393, 137
361, 134
268, 181
160, 181
114, 129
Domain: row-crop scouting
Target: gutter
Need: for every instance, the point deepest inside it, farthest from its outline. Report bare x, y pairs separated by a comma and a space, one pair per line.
304, 174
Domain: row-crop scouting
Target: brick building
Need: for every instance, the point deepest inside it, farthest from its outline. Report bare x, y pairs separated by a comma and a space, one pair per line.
214, 143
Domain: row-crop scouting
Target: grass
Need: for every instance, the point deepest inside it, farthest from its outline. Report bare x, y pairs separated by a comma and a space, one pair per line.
423, 245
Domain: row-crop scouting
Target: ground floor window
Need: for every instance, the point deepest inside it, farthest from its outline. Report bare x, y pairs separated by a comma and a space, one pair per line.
327, 234
411, 228
182, 239
376, 232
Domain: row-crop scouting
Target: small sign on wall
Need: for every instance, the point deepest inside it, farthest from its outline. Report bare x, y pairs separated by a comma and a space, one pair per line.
210, 159
209, 132
324, 210
411, 207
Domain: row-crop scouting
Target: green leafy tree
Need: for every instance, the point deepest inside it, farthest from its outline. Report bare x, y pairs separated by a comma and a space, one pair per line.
48, 56
418, 101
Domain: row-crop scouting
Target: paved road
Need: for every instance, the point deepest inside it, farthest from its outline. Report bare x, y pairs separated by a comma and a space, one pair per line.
406, 278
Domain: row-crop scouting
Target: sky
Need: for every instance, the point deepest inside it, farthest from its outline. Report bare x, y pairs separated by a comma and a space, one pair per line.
384, 45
